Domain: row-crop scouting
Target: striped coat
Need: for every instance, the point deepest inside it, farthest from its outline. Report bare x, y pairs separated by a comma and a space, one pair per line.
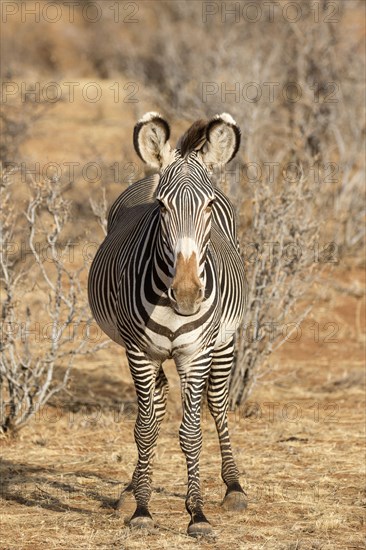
168, 282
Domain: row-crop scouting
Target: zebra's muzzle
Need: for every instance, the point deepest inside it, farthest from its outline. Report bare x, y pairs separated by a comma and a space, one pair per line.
186, 291
186, 301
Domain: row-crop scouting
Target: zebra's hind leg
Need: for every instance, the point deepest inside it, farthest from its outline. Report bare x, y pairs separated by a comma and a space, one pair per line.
217, 397
160, 399
193, 381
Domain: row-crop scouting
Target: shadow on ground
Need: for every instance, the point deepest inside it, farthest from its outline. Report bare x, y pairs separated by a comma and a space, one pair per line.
45, 487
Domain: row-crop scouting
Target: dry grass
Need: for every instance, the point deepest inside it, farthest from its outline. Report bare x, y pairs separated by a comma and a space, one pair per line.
300, 451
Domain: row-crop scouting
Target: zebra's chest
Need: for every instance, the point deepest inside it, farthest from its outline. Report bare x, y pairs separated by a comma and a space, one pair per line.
184, 336
148, 319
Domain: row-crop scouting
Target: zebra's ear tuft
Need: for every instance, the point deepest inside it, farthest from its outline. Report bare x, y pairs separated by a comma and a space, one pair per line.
222, 140
150, 139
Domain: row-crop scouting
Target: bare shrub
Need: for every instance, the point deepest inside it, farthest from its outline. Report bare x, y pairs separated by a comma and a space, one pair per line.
37, 340
280, 252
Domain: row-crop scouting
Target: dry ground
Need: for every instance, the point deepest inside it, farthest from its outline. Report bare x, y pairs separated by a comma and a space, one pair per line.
299, 444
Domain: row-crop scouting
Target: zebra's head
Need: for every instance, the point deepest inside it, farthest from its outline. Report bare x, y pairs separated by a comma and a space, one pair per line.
186, 196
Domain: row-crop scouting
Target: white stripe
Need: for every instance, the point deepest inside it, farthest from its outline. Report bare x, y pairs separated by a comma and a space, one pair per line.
187, 246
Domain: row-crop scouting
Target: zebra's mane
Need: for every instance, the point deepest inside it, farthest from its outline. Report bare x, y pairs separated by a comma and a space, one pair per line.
194, 138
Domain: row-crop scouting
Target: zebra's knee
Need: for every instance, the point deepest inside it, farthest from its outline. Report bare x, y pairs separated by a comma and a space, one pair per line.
190, 439
146, 429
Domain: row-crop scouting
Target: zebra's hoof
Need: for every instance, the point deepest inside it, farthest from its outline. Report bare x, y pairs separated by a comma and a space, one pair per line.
199, 529
234, 501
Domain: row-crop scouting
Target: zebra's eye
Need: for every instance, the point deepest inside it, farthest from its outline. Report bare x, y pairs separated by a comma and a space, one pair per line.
209, 206
162, 206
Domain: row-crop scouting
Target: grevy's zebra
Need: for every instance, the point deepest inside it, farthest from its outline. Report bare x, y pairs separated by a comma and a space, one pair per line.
168, 281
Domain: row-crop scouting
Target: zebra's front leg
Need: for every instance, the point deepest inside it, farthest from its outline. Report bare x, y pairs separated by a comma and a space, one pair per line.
217, 398
193, 380
146, 434
160, 399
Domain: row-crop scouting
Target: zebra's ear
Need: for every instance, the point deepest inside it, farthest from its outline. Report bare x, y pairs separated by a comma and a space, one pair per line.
150, 139
222, 140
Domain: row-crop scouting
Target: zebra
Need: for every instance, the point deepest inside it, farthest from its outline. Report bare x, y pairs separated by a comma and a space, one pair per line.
168, 282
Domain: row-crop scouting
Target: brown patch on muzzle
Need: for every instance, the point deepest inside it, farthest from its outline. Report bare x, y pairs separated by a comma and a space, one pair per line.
186, 291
